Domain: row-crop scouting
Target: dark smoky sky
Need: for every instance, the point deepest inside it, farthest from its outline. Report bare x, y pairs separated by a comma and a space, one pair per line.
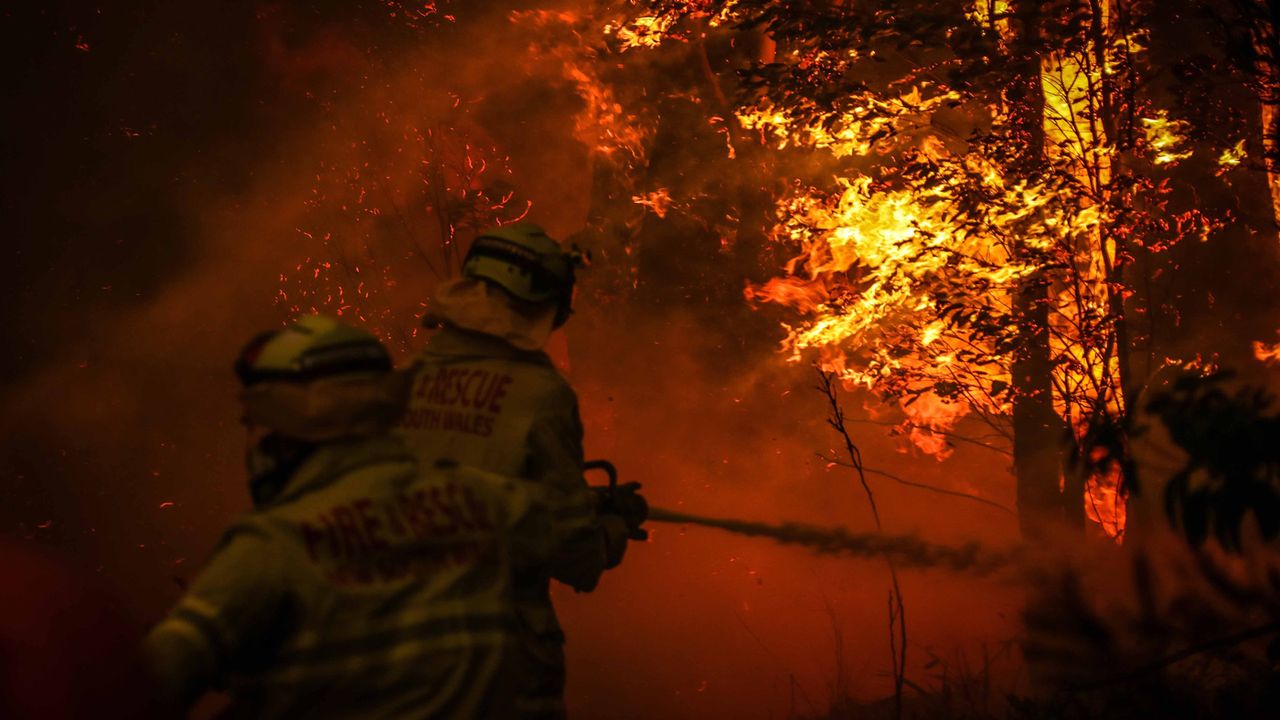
114, 114
161, 160
119, 114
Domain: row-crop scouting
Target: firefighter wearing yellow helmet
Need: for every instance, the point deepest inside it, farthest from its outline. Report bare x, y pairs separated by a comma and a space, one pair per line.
359, 585
485, 394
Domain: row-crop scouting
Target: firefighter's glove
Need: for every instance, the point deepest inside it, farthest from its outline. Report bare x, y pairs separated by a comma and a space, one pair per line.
626, 502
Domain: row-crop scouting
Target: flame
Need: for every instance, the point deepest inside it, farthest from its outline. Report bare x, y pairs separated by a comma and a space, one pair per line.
869, 123
602, 125
659, 201
647, 31
1072, 129
1104, 505
867, 254
896, 294
1233, 156
1266, 353
1167, 138
652, 30
929, 418
990, 14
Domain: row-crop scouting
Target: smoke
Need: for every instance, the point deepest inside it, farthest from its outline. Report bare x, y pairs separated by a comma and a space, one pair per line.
181, 171
273, 140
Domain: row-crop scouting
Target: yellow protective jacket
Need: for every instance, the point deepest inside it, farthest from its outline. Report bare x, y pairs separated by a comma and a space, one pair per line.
367, 589
480, 401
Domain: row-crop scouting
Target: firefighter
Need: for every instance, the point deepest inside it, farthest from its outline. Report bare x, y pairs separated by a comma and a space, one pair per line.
484, 393
358, 585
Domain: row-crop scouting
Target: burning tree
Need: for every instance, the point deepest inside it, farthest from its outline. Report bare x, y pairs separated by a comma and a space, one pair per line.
980, 203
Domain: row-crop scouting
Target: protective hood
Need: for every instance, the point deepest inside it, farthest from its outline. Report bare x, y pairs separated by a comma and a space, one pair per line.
342, 406
472, 304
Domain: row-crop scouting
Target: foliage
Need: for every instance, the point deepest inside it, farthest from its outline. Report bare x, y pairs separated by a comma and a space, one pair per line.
926, 203
1250, 32
1233, 466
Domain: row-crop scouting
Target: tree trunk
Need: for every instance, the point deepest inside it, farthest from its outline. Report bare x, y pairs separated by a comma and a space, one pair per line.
1266, 36
1271, 146
1037, 428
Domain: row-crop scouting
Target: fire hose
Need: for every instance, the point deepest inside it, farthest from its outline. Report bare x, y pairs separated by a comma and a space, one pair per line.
905, 550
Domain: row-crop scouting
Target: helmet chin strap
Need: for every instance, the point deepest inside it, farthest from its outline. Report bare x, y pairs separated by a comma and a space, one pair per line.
271, 462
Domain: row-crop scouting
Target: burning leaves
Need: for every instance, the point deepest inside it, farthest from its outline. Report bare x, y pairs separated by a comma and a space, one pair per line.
1233, 156
904, 278
571, 43
875, 253
1166, 138
1268, 353
868, 124
914, 219
645, 31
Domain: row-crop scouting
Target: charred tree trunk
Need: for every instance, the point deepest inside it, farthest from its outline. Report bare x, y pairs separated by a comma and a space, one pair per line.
1036, 426
1125, 289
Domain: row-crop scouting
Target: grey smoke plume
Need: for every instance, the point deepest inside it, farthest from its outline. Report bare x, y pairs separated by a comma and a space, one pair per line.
906, 550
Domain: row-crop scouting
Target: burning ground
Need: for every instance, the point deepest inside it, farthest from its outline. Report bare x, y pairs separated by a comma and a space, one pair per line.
183, 177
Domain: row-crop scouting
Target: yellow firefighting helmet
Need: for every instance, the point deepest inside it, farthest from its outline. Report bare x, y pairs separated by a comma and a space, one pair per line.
313, 346
319, 379
523, 260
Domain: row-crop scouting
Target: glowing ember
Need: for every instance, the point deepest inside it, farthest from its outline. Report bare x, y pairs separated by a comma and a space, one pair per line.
415, 13
382, 228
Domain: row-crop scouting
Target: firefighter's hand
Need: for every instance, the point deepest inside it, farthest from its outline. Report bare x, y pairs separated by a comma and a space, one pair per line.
626, 502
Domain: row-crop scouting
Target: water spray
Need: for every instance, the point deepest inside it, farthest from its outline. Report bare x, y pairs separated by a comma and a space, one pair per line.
905, 550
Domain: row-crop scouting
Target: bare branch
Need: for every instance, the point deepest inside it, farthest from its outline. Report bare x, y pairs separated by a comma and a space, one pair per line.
922, 486
897, 610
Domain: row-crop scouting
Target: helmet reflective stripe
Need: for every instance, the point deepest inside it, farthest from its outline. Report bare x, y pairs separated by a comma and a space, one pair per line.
315, 346
537, 281
523, 260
